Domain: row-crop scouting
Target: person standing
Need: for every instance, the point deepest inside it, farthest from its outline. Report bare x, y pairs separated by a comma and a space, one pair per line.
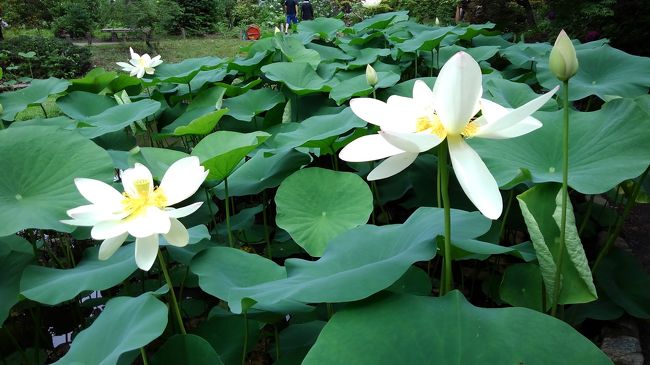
306, 10
291, 10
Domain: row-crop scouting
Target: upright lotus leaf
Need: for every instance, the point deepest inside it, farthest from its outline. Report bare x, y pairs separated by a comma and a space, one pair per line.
619, 126
327, 53
209, 76
541, 207
325, 28
319, 127
246, 106
37, 92
262, 172
358, 86
424, 41
52, 286
294, 50
341, 275
604, 72
300, 77
315, 205
513, 94
183, 72
125, 324
94, 81
396, 329
249, 64
38, 168
186, 349
201, 116
222, 151
15, 254
625, 282
381, 21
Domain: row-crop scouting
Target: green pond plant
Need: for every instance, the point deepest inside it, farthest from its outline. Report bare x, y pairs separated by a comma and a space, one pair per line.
300, 201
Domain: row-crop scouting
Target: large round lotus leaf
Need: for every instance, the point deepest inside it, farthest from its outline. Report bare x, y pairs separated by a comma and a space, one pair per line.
425, 41
126, 324
315, 205
16, 101
250, 64
404, 329
328, 54
341, 275
52, 286
381, 21
606, 147
294, 50
186, 349
300, 77
39, 165
326, 28
604, 72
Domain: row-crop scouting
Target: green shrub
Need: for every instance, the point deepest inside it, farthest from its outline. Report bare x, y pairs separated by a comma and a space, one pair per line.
159, 15
77, 19
199, 16
53, 57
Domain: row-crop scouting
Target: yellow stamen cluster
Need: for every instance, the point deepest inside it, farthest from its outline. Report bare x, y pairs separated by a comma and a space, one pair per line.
431, 124
135, 205
470, 130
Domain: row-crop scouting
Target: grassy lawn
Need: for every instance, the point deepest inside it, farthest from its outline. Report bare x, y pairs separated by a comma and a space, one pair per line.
172, 50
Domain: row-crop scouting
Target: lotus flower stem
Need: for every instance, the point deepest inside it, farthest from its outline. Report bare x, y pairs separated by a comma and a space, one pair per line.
620, 220
565, 196
227, 199
245, 348
208, 200
174, 302
585, 219
446, 280
267, 237
277, 342
43, 109
143, 354
504, 221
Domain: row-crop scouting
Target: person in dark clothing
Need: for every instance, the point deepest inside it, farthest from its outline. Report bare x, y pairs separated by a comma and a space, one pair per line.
291, 10
306, 10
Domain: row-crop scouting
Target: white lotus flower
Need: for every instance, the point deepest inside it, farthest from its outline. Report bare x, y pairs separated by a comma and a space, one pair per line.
370, 3
413, 125
139, 65
142, 210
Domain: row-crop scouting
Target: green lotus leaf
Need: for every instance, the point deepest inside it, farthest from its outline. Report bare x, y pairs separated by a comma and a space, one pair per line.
201, 116
222, 151
226, 335
524, 55
625, 281
157, 160
94, 81
604, 72
341, 274
183, 72
52, 286
315, 205
522, 287
36, 191
246, 106
480, 54
248, 65
425, 41
381, 21
464, 334
124, 325
364, 56
262, 172
406, 88
326, 28
327, 53
619, 126
541, 209
300, 77
186, 349
294, 50
513, 94
37, 92
15, 255
208, 76
358, 86
82, 105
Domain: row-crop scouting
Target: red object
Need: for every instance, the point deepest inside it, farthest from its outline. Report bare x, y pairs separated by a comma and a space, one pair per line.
253, 32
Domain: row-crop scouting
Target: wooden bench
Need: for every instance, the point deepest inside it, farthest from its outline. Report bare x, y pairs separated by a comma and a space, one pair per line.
115, 31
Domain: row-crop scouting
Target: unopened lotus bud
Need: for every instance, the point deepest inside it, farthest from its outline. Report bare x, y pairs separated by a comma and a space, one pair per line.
563, 61
437, 21
371, 76
277, 30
